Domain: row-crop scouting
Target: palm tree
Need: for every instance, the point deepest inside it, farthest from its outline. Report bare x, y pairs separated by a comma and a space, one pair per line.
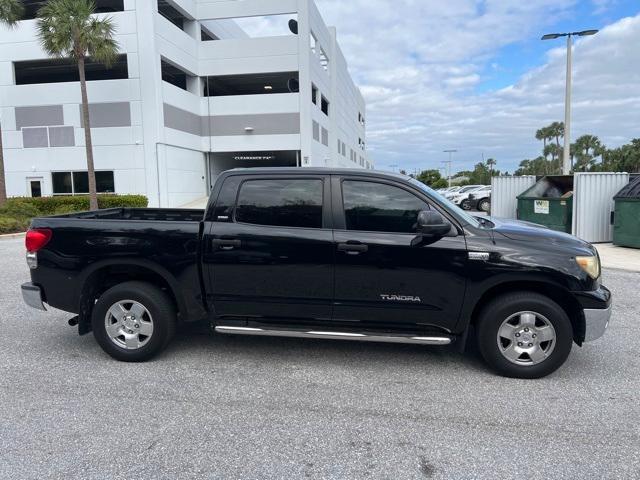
587, 149
491, 162
543, 134
68, 29
10, 12
556, 130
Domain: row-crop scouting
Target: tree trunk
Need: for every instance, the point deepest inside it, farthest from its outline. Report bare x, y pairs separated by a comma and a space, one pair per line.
3, 186
560, 159
93, 195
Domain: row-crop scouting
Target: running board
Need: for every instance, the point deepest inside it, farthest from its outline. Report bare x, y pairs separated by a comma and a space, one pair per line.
361, 337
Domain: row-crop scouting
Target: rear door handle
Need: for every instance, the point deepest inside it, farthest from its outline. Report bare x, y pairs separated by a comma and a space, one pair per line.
226, 243
352, 248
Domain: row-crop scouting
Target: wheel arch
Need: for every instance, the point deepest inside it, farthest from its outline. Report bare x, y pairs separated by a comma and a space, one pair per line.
558, 294
103, 275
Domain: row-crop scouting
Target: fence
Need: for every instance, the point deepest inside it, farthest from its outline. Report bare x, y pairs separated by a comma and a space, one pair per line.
504, 193
593, 204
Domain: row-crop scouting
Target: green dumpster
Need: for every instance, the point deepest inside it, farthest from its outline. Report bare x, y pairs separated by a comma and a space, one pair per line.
549, 202
626, 220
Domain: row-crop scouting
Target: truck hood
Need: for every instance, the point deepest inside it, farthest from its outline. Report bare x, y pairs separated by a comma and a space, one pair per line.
532, 232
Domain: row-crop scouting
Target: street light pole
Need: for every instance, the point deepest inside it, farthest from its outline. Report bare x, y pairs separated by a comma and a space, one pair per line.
449, 162
566, 155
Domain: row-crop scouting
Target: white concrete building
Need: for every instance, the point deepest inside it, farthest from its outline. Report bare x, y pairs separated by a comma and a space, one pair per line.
193, 94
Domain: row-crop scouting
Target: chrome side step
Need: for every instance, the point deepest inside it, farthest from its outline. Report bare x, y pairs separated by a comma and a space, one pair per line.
361, 337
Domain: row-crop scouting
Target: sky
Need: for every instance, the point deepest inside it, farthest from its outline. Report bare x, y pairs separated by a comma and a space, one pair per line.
474, 76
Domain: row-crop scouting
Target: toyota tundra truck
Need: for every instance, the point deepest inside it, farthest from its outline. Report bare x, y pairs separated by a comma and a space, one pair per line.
327, 254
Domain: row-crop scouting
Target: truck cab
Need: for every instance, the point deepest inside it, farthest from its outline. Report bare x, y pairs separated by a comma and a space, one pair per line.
328, 254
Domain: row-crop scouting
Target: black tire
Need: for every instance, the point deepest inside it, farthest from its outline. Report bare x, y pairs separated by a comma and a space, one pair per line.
160, 308
465, 205
502, 308
484, 205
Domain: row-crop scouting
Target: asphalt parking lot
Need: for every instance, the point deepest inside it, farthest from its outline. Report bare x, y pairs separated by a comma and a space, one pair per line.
242, 407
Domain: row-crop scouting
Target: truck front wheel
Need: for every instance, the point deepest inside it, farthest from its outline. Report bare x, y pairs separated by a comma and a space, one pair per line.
133, 321
524, 335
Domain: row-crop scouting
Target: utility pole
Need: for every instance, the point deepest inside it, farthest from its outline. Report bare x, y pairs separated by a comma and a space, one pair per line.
566, 155
448, 163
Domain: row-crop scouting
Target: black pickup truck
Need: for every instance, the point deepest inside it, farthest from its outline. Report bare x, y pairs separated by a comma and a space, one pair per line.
320, 253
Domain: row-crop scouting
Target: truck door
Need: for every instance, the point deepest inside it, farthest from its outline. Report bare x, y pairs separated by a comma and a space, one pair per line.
268, 249
380, 278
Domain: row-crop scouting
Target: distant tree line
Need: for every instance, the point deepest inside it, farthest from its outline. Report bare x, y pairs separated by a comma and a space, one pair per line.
588, 154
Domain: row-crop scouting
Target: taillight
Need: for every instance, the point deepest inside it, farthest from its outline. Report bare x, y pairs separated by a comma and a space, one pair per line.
37, 238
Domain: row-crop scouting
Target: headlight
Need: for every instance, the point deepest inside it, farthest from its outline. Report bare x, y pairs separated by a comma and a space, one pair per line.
591, 265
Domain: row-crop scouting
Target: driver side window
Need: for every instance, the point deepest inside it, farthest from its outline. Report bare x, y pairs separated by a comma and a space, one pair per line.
378, 207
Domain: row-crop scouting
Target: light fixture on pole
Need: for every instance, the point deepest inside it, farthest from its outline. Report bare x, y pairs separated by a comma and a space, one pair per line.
566, 157
448, 163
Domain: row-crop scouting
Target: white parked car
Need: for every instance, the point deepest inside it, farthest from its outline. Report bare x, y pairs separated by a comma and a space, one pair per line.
479, 199
462, 194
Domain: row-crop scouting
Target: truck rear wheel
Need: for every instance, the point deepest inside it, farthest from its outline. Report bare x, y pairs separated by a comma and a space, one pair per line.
524, 335
133, 321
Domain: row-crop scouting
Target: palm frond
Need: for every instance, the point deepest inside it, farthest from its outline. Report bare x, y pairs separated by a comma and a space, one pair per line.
101, 45
11, 11
67, 29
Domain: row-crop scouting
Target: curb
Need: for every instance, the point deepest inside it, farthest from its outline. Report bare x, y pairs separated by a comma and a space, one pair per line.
8, 236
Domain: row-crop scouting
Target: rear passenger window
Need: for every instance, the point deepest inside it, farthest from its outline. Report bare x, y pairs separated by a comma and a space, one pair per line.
284, 203
377, 207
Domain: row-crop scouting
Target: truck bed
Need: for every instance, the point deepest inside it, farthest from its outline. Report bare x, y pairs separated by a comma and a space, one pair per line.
161, 242
153, 214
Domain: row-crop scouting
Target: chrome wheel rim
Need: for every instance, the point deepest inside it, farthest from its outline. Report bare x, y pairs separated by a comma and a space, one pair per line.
526, 338
484, 206
128, 324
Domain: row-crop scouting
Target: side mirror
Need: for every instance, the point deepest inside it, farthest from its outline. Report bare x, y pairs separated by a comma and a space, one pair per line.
432, 224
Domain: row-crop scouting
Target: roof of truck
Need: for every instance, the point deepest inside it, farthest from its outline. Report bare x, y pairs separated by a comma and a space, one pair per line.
317, 171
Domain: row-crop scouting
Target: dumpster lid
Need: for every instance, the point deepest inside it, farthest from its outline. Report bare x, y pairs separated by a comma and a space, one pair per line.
632, 190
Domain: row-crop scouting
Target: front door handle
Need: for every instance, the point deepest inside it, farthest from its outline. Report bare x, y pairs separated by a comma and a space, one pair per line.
352, 248
226, 243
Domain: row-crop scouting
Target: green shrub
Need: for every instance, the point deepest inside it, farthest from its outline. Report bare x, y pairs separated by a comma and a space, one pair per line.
46, 206
13, 225
17, 212
128, 201
18, 208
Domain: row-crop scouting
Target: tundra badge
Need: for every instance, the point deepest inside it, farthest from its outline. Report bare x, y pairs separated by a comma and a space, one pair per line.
400, 298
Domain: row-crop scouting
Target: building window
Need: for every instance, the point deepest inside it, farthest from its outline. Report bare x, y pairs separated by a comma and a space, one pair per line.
314, 94
77, 183
316, 131
58, 71
344, 150
376, 207
168, 11
324, 59
284, 203
325, 137
207, 36
324, 105
174, 75
252, 84
31, 7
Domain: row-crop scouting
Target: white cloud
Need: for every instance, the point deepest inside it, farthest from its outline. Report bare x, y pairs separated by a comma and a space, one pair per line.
417, 62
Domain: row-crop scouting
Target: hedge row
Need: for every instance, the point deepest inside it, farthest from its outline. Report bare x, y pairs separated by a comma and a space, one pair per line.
17, 212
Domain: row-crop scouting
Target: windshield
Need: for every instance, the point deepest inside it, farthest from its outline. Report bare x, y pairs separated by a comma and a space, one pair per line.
466, 189
450, 206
